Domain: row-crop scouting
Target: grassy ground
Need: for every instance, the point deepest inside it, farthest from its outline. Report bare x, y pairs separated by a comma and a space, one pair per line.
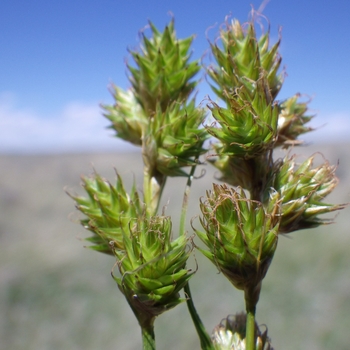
54, 294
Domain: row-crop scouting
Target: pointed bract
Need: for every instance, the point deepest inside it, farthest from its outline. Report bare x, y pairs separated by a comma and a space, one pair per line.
126, 115
108, 210
291, 122
163, 73
302, 189
243, 60
248, 127
174, 138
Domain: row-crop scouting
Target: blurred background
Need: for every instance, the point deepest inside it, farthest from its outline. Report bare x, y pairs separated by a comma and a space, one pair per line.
57, 61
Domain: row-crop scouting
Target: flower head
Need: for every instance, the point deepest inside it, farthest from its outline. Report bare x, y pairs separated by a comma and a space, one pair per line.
302, 189
291, 122
248, 127
163, 72
127, 117
174, 138
243, 60
152, 266
108, 210
240, 233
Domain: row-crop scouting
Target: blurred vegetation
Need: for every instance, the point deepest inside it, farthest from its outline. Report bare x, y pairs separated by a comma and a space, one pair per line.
54, 294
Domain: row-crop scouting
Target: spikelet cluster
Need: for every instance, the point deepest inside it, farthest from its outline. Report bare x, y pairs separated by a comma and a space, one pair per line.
240, 233
157, 112
152, 266
302, 189
107, 209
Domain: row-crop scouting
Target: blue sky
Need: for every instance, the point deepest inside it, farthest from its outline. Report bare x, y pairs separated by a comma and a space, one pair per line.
58, 58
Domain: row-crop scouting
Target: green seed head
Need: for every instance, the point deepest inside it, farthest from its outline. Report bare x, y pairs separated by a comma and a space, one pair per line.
240, 233
248, 127
163, 72
291, 122
302, 189
108, 210
243, 60
174, 138
152, 266
127, 116
162, 75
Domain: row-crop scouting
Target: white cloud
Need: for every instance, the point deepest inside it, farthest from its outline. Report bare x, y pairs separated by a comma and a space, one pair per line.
78, 127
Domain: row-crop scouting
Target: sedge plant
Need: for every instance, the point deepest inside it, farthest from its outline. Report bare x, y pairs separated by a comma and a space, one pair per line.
258, 198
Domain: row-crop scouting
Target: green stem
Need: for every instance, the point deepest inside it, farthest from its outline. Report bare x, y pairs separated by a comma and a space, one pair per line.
185, 201
206, 343
251, 295
153, 185
250, 330
148, 338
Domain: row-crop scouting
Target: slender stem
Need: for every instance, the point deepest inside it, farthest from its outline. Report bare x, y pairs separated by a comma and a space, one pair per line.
185, 201
153, 185
206, 343
148, 338
161, 182
147, 190
250, 331
204, 337
251, 296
